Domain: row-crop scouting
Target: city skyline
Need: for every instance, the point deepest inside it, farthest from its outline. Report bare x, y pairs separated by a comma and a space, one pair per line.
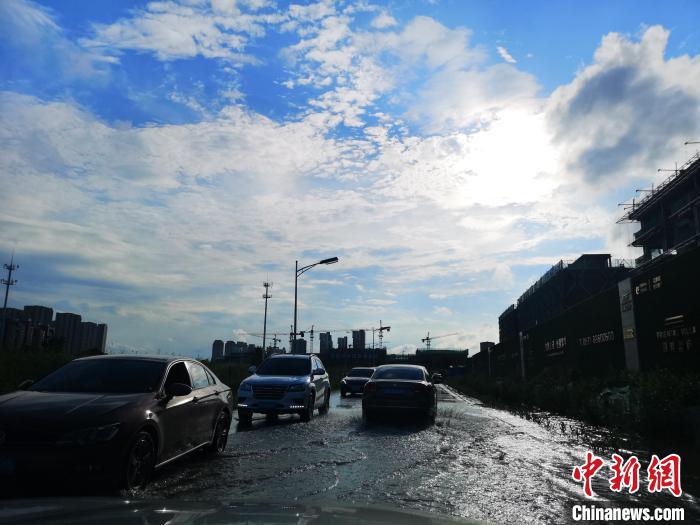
446, 154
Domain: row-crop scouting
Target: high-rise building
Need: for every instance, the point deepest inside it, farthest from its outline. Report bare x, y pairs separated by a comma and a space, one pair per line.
229, 349
325, 342
88, 337
299, 346
101, 338
485, 346
358, 340
343, 343
217, 350
39, 315
68, 330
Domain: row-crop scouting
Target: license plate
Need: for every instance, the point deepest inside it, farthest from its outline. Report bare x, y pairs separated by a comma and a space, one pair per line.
396, 391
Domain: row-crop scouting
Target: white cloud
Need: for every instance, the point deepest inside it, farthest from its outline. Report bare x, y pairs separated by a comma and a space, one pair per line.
627, 113
383, 20
442, 310
497, 171
30, 33
505, 55
173, 31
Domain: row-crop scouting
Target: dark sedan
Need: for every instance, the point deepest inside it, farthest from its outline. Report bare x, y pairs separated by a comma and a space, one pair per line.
354, 382
114, 417
400, 390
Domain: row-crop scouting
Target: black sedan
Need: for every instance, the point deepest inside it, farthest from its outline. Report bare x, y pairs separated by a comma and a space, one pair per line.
354, 382
113, 417
400, 390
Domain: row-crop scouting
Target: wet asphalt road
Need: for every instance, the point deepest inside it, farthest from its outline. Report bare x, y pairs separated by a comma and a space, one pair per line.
476, 462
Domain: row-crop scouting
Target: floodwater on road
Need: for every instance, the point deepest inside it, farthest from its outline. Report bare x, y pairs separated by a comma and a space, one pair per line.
476, 462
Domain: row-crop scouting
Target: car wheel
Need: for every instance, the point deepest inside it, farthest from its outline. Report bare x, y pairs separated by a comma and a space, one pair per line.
343, 393
140, 462
218, 442
308, 413
245, 417
326, 403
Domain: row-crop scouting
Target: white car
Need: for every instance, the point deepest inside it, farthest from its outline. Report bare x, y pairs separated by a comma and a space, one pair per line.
285, 384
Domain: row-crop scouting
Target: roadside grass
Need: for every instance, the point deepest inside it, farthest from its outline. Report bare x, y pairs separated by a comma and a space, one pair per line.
657, 411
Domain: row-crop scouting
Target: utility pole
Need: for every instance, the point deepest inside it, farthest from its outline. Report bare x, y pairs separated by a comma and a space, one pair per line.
311, 337
7, 282
266, 296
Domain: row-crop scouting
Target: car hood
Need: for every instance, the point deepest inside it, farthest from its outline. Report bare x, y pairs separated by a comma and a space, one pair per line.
59, 408
275, 380
84, 511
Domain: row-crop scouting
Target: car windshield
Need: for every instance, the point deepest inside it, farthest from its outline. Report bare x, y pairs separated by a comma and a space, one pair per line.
108, 376
361, 372
284, 367
415, 374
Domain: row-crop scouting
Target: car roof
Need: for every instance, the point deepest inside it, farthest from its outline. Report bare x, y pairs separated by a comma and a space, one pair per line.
291, 356
420, 367
140, 357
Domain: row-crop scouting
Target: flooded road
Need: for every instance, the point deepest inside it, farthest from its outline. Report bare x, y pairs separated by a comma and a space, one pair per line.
476, 462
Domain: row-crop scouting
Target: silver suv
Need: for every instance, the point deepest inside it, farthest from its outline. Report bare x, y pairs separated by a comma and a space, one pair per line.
285, 384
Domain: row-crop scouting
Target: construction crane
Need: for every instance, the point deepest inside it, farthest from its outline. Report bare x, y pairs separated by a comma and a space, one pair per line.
275, 339
381, 333
428, 338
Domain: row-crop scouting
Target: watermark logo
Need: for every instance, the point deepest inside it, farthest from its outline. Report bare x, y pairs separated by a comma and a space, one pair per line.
662, 474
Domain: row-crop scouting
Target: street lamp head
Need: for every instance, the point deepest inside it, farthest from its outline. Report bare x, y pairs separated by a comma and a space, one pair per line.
332, 260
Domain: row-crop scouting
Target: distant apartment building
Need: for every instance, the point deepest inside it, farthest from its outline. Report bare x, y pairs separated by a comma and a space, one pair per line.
101, 338
358, 340
325, 342
39, 315
88, 336
68, 331
229, 348
34, 328
343, 343
485, 346
217, 349
299, 346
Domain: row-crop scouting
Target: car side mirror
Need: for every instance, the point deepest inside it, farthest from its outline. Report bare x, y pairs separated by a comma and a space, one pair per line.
318, 372
252, 370
24, 385
178, 390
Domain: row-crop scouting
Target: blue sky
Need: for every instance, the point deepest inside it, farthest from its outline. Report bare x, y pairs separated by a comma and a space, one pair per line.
166, 158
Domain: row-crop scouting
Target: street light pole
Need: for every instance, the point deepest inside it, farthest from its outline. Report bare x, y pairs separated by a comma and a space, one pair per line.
296, 278
297, 272
266, 296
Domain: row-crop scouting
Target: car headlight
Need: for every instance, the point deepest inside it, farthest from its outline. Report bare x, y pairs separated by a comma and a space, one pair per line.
90, 436
297, 388
245, 387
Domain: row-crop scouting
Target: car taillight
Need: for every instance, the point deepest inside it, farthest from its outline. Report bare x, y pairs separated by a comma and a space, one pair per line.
421, 388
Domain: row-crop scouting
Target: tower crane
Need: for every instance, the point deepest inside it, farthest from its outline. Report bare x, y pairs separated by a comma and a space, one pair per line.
428, 338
